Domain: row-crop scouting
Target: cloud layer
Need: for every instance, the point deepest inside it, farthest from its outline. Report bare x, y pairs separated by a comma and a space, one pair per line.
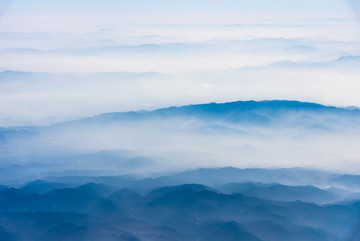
55, 56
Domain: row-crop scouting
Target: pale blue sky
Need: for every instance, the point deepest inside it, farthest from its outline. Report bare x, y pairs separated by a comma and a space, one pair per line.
177, 11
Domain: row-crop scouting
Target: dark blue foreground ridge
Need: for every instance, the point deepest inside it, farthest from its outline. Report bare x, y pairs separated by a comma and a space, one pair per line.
65, 208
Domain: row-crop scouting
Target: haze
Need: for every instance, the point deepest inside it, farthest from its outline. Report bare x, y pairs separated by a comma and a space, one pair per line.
161, 54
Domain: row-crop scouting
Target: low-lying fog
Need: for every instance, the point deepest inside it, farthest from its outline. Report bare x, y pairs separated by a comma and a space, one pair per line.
176, 139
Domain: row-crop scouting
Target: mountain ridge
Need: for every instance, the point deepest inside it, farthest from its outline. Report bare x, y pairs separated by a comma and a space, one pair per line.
210, 109
257, 111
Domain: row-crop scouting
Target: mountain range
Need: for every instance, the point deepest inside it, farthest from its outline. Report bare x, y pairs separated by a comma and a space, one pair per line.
247, 170
75, 209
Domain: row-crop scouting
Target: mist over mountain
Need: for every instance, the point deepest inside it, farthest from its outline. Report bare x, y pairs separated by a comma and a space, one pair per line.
247, 170
181, 120
266, 134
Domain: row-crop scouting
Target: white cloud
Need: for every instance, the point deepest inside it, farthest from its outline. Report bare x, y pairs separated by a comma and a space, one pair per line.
215, 58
